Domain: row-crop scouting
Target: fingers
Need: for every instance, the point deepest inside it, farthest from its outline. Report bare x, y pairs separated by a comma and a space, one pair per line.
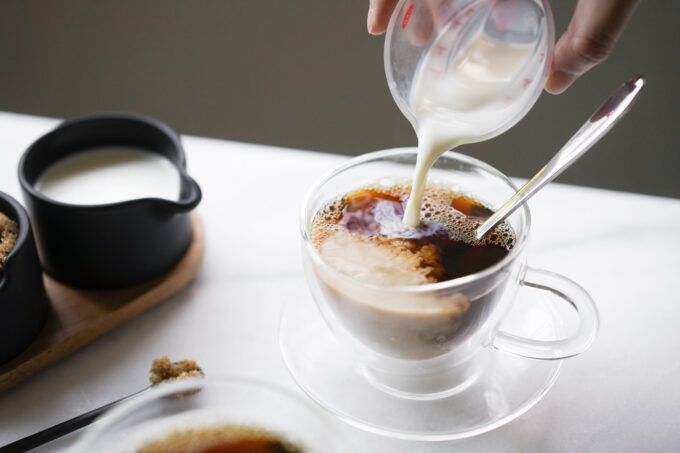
589, 39
421, 24
379, 12
420, 19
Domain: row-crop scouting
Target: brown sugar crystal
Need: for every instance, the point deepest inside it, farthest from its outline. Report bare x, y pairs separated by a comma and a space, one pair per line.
163, 369
9, 232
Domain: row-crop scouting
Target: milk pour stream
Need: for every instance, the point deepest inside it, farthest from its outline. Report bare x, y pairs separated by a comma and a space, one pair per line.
459, 102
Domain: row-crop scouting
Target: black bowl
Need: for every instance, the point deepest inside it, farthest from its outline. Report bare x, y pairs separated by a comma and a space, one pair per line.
23, 303
115, 245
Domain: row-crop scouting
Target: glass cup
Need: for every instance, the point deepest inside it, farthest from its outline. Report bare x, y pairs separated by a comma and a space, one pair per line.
427, 40
424, 341
178, 406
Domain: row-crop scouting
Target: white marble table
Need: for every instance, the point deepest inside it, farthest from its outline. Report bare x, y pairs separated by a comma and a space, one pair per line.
621, 395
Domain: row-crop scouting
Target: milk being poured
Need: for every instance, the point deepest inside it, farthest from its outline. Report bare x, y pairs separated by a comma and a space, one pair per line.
460, 102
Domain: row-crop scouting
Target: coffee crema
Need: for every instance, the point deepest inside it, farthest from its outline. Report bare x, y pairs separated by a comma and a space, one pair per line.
221, 439
363, 236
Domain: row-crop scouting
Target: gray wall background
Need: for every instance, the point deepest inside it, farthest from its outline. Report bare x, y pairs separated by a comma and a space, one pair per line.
305, 74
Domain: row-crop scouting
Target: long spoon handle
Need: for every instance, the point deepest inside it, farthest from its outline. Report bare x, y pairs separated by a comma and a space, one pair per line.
595, 128
63, 428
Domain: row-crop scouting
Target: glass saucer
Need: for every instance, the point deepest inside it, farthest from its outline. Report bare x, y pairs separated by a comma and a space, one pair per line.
505, 387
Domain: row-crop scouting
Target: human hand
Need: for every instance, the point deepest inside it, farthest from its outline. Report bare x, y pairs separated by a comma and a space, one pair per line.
590, 37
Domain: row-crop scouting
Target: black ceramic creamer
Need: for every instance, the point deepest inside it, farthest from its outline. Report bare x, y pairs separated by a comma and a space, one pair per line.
115, 245
23, 303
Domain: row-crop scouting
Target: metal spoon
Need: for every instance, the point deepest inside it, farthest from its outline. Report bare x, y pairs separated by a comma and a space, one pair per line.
73, 424
595, 128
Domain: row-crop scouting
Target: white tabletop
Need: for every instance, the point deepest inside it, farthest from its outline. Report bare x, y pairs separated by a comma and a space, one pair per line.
621, 395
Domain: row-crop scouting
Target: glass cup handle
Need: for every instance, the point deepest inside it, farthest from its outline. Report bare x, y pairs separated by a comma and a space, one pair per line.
577, 297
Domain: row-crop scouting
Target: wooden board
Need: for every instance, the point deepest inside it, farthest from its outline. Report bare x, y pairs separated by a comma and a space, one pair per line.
77, 316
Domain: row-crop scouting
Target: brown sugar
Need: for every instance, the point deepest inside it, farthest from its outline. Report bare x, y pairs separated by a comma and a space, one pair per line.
9, 231
163, 369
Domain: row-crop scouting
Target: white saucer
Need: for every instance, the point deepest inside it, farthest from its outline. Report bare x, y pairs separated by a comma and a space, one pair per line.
505, 388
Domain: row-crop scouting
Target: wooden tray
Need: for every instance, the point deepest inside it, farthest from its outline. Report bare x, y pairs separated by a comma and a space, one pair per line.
78, 316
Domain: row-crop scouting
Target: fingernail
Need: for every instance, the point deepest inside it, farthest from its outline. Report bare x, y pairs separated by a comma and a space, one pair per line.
558, 82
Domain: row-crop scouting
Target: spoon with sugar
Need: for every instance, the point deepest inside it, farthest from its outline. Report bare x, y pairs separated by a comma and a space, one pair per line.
601, 122
162, 370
